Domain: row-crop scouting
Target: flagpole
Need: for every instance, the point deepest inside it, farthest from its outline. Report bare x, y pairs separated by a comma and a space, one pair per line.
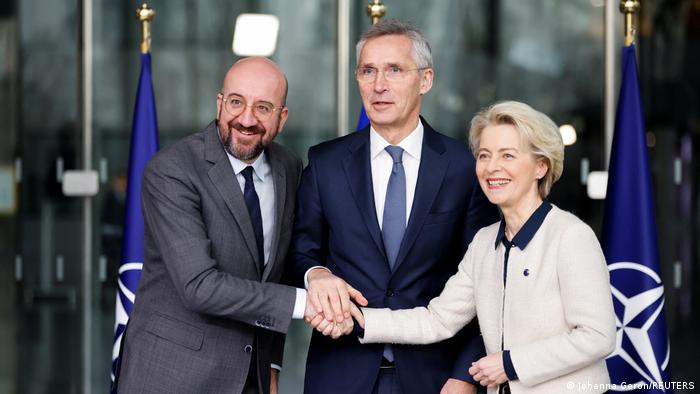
143, 145
376, 10
145, 14
611, 66
343, 68
87, 45
629, 8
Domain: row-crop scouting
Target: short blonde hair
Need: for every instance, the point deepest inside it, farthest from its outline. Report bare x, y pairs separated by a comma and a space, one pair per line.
536, 129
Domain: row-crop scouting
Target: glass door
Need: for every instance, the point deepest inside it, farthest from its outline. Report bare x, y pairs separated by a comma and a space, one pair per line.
42, 241
53, 308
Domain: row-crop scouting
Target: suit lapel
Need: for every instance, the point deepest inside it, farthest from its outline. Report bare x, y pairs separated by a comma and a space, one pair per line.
359, 174
280, 184
222, 176
433, 166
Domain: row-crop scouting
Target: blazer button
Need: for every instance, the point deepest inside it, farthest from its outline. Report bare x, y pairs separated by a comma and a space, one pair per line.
390, 293
248, 349
257, 323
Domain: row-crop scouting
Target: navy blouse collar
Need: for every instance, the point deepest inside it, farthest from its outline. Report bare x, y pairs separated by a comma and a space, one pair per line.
527, 232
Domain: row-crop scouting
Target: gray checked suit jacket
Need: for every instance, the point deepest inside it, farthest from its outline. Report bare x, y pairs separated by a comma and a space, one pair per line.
203, 305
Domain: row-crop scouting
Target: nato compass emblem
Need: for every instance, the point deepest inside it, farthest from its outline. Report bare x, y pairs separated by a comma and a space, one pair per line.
129, 275
642, 351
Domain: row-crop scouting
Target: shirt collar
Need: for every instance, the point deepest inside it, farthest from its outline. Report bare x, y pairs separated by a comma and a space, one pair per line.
412, 144
261, 167
527, 232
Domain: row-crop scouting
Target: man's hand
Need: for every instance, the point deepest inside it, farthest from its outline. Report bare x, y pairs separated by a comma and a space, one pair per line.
333, 329
331, 295
274, 380
310, 312
489, 370
456, 386
324, 326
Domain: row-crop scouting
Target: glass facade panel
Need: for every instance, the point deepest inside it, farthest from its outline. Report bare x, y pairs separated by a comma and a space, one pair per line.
41, 339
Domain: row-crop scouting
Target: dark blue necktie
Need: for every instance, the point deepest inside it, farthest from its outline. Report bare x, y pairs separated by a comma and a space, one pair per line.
394, 219
253, 204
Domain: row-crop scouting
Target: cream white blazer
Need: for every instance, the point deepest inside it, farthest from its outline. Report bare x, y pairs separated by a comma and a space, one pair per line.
557, 321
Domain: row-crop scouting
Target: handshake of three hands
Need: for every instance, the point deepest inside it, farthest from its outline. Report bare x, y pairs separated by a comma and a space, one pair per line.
329, 304
332, 304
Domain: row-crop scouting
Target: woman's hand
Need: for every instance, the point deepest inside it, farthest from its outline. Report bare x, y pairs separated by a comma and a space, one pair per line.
489, 370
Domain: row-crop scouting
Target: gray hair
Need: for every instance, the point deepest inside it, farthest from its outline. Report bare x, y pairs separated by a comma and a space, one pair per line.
422, 54
537, 131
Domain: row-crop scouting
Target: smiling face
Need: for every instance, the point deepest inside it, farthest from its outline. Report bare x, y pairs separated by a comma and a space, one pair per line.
254, 80
393, 106
508, 172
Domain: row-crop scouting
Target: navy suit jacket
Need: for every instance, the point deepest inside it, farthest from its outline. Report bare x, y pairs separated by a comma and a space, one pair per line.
336, 226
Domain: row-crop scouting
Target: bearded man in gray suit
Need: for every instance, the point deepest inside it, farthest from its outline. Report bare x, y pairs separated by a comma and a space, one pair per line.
218, 208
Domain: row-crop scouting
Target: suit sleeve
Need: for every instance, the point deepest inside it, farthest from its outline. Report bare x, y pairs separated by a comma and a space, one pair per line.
310, 228
278, 340
472, 351
480, 213
171, 208
585, 291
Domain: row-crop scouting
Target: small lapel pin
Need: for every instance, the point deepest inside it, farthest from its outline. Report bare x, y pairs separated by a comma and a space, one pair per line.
526, 272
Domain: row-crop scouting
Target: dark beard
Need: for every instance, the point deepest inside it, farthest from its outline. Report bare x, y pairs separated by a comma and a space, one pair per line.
239, 152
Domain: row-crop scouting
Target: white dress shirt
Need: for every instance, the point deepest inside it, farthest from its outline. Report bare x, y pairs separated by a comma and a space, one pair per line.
382, 165
265, 188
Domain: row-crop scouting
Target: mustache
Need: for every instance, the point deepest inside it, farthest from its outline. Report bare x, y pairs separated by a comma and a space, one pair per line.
252, 129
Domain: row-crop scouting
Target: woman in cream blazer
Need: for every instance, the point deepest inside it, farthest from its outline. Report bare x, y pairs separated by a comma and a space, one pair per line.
537, 281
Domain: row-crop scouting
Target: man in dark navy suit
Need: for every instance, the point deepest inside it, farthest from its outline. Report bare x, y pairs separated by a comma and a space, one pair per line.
389, 211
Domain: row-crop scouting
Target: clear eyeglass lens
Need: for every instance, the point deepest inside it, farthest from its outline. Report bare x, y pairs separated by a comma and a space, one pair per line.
368, 74
236, 105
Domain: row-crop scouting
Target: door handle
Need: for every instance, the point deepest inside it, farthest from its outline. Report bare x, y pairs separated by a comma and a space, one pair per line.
80, 183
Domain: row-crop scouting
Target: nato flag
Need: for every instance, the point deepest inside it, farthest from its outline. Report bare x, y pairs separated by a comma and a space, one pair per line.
642, 353
144, 144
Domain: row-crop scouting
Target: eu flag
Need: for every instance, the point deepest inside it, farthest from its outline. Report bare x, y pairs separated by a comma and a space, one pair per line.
363, 121
642, 353
144, 144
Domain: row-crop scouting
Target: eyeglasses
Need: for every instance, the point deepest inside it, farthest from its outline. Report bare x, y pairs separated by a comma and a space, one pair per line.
392, 73
235, 105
